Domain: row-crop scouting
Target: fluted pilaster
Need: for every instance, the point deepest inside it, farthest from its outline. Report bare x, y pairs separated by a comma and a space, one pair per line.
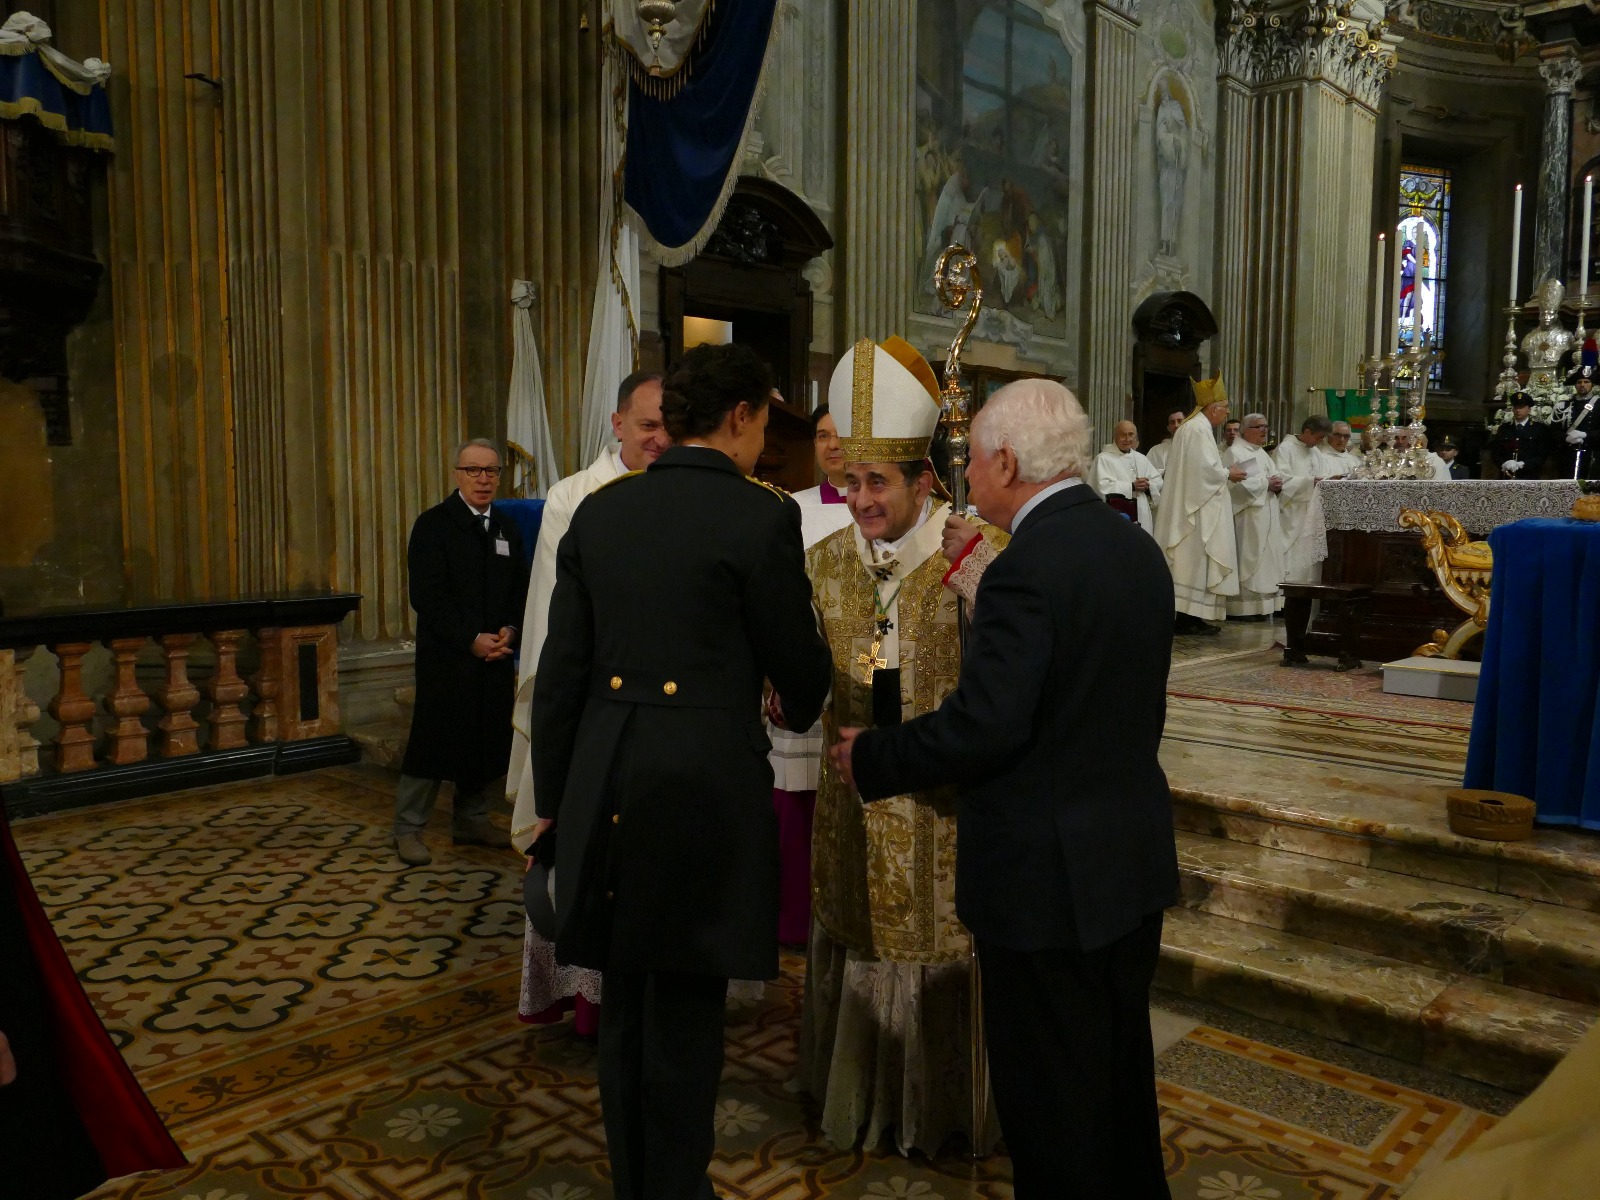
1299, 96
878, 251
169, 301
1108, 257
392, 168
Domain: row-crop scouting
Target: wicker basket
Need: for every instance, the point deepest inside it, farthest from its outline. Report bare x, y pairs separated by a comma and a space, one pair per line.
1586, 508
1495, 816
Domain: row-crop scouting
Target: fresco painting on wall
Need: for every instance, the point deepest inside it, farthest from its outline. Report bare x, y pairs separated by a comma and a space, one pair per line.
993, 119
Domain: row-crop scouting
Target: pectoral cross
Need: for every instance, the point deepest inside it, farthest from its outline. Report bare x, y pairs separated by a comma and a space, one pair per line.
870, 661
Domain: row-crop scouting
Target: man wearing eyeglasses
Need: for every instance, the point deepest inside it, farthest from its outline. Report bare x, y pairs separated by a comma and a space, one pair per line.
468, 582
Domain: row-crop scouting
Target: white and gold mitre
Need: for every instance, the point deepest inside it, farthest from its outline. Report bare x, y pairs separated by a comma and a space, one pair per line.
884, 401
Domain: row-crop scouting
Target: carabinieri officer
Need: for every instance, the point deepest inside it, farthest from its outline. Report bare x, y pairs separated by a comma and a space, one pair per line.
678, 590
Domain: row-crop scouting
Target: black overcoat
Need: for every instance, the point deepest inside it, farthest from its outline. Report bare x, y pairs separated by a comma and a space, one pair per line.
1064, 835
677, 591
461, 587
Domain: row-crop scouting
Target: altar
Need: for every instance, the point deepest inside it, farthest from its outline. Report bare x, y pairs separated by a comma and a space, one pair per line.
1367, 546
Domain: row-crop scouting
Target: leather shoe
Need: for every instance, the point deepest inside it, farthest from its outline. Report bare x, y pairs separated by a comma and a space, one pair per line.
413, 851
480, 833
1186, 624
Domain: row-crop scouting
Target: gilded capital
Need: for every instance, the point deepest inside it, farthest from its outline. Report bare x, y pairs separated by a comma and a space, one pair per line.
1260, 42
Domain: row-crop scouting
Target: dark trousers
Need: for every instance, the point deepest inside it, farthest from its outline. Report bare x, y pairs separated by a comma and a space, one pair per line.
660, 1063
1073, 1067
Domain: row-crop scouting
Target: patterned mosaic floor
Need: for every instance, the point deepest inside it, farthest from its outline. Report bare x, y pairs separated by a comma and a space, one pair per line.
315, 1023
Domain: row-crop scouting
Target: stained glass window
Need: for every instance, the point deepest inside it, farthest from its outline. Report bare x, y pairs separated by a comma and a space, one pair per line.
1424, 239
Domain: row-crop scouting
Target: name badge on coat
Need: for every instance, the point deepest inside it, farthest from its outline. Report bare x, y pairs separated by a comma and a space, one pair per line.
502, 547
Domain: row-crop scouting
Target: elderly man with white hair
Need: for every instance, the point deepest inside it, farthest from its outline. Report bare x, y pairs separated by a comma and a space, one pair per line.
1257, 533
1066, 856
1126, 479
1194, 526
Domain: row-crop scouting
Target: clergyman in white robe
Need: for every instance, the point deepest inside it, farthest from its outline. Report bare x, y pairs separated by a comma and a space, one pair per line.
1258, 534
1194, 522
1159, 452
1303, 466
1116, 471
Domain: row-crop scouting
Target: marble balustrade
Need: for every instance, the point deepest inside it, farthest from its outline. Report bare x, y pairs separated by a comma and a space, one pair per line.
143, 691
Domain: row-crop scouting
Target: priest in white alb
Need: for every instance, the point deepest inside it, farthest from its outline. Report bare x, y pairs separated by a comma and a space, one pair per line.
1194, 523
1303, 466
548, 988
1126, 479
1158, 452
1337, 447
1257, 533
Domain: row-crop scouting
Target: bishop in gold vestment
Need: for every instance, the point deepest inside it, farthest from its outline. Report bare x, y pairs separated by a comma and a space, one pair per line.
886, 1034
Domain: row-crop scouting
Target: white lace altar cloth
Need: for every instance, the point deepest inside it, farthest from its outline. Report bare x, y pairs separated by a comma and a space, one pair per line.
1373, 505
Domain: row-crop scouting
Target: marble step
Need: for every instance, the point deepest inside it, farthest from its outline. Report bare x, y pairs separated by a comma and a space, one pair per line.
1372, 818
1537, 947
1471, 1027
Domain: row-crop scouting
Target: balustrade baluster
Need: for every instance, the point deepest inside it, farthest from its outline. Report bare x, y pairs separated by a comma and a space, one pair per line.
27, 714
74, 709
224, 690
130, 740
266, 680
177, 696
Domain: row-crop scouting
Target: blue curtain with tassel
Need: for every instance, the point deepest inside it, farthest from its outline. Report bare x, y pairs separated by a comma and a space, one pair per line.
685, 133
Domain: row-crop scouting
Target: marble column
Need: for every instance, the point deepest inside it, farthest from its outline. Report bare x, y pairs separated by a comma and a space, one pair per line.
1555, 153
877, 256
1106, 311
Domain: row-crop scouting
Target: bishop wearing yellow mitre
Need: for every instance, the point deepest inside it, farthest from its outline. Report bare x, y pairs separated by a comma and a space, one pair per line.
886, 1033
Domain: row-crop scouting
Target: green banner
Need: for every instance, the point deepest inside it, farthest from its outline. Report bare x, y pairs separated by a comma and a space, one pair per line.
1349, 405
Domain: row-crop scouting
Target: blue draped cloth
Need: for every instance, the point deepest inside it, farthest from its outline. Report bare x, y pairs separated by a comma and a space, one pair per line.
1536, 726
527, 516
683, 145
29, 88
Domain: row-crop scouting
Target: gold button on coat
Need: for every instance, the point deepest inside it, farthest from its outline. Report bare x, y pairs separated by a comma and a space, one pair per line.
616, 682
670, 688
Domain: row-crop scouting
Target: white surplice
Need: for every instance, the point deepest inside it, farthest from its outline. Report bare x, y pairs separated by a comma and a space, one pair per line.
1340, 462
1305, 536
1158, 454
1194, 522
1257, 532
1113, 473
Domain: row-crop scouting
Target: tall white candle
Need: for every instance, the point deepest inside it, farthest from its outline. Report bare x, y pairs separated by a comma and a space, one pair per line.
813, 395
1516, 243
1377, 297
1588, 219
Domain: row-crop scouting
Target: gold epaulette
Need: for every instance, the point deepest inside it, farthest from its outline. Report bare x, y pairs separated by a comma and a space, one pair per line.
618, 479
771, 487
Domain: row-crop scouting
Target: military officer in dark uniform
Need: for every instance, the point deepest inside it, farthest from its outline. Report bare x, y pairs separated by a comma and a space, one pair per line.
1581, 453
1450, 452
1521, 441
468, 584
678, 590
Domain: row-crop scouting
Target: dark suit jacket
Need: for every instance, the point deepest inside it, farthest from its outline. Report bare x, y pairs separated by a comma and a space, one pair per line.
1529, 444
677, 591
460, 587
1064, 830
